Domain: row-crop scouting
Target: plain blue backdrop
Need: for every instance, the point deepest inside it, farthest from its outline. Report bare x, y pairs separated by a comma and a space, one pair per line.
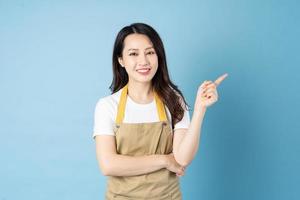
55, 63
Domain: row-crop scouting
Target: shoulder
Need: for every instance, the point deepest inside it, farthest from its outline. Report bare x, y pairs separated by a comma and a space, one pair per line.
104, 116
106, 107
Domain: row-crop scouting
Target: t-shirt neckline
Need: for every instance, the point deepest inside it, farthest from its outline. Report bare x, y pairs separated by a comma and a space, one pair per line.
140, 104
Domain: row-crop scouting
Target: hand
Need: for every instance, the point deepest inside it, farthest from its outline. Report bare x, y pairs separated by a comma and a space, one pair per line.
173, 166
207, 93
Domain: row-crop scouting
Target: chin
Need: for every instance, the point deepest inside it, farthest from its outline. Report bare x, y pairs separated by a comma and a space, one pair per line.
144, 79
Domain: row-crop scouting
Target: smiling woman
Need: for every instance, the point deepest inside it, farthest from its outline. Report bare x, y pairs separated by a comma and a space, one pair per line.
144, 136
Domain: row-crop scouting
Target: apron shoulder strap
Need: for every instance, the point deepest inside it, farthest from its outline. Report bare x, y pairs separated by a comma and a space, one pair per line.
160, 108
122, 104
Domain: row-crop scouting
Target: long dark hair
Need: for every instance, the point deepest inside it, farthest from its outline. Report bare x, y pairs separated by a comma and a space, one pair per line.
168, 92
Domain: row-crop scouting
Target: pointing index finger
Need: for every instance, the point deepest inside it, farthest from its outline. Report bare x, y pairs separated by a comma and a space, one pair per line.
220, 79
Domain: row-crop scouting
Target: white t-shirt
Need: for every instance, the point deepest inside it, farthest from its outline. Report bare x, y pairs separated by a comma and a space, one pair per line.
106, 112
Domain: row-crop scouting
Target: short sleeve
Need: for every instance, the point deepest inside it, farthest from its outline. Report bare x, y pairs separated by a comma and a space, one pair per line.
103, 121
184, 122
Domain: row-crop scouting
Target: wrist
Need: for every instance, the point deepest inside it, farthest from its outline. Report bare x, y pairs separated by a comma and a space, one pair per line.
165, 161
200, 110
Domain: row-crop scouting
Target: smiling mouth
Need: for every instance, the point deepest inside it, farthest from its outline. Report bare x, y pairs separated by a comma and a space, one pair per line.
143, 70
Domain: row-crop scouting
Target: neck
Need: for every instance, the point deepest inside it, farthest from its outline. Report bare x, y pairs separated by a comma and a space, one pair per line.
140, 92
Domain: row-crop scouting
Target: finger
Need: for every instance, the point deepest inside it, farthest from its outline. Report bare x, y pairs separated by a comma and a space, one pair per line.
210, 98
210, 95
180, 173
212, 92
212, 84
208, 89
220, 79
205, 83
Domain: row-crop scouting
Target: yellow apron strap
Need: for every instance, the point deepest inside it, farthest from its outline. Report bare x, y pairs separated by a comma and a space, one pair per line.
160, 108
121, 107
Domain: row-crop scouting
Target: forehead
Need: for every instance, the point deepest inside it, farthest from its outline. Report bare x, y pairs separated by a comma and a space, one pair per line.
137, 41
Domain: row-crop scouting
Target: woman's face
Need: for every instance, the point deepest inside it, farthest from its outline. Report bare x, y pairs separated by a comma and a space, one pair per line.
139, 58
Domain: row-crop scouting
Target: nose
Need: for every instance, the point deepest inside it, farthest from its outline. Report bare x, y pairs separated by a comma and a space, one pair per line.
143, 61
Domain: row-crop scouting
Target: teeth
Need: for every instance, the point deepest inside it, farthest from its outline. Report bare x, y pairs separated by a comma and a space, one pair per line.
143, 70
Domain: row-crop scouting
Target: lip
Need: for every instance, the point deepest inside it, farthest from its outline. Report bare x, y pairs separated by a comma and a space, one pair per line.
146, 72
144, 68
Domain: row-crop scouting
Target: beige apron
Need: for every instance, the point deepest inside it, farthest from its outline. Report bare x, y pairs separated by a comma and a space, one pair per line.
138, 139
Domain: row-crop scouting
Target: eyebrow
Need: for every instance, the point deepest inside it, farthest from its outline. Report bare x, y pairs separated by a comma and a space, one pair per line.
138, 49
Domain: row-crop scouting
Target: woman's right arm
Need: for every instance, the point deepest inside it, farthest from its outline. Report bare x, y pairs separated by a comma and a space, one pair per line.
113, 164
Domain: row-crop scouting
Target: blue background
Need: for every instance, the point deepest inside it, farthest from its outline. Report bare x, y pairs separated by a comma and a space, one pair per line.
55, 63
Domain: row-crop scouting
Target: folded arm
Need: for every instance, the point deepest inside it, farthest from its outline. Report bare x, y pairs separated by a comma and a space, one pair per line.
113, 164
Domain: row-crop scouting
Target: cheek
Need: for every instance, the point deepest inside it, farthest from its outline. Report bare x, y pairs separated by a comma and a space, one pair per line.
129, 61
154, 61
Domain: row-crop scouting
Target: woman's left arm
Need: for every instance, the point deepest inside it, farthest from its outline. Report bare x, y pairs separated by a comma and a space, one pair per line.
186, 141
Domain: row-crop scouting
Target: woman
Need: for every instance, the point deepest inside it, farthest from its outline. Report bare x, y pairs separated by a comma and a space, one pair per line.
144, 136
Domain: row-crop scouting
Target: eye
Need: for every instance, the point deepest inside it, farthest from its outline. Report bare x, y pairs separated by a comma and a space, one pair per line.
151, 52
132, 54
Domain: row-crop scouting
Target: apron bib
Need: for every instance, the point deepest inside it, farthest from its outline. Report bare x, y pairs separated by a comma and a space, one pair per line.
138, 139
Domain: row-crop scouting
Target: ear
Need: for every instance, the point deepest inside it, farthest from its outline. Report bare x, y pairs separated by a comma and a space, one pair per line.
121, 61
